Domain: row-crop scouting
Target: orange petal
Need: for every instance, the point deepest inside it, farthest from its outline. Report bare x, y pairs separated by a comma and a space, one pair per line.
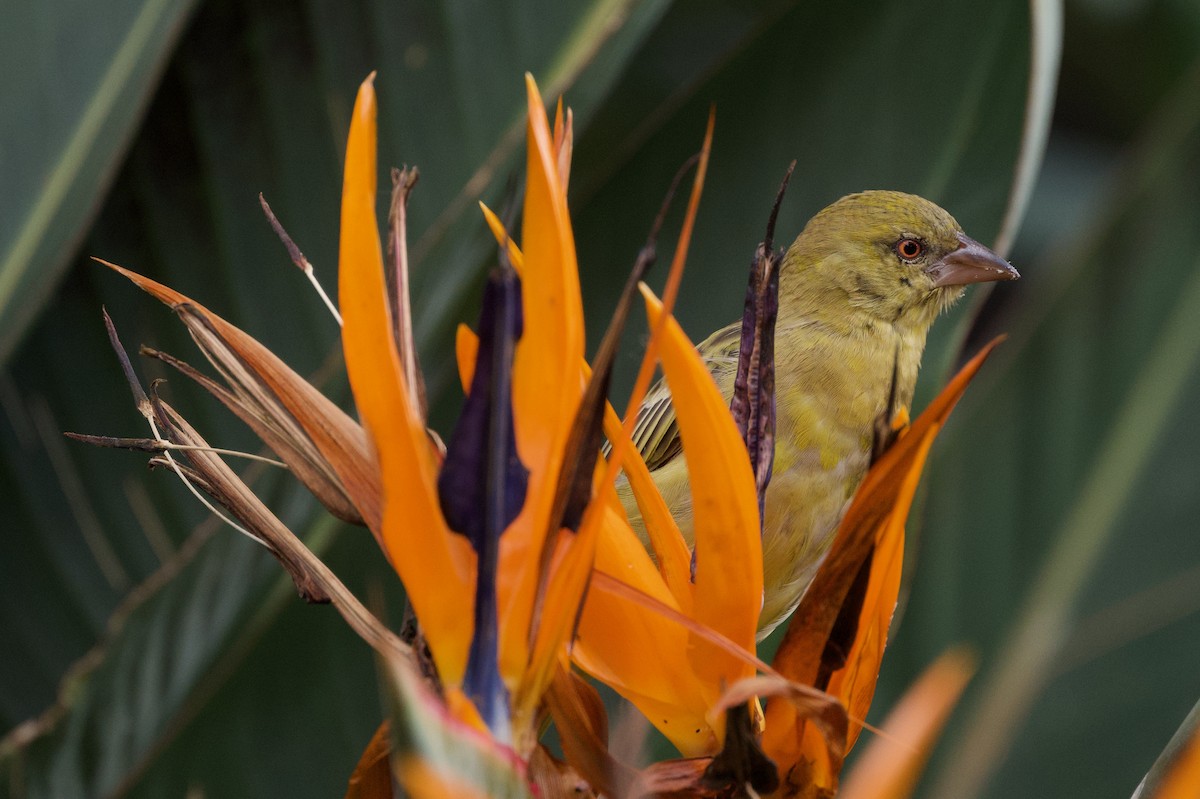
873, 523
672, 674
641, 654
669, 547
890, 766
437, 567
606, 583
561, 609
637, 642
728, 586
547, 385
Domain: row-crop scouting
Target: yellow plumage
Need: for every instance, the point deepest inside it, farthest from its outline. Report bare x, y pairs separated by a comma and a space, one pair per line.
858, 291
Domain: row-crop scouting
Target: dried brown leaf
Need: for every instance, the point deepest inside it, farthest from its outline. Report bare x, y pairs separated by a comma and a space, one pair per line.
298, 409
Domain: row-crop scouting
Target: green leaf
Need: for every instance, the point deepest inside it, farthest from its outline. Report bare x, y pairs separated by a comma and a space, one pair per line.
78, 77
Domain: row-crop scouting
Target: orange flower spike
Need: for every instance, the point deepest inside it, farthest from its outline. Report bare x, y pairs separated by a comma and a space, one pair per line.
669, 546
640, 653
670, 549
855, 683
728, 588
437, 567
560, 610
604, 530
545, 397
606, 542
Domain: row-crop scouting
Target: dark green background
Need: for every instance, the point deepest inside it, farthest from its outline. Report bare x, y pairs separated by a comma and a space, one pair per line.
163, 653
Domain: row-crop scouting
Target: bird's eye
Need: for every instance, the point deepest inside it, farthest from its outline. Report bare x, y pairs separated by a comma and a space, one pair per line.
910, 249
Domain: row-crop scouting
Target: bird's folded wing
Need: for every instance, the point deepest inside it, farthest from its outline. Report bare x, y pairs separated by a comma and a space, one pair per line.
656, 433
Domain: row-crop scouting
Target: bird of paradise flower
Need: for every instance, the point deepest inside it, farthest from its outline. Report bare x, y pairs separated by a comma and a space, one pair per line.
511, 544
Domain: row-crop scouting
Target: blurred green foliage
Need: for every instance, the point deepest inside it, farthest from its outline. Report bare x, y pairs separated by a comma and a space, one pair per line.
156, 652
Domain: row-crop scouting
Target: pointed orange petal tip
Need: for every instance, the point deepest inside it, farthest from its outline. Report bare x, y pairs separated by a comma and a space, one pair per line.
494, 224
533, 103
503, 239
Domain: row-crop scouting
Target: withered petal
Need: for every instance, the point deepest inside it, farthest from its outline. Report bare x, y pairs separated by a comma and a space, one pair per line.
753, 401
340, 440
287, 440
582, 723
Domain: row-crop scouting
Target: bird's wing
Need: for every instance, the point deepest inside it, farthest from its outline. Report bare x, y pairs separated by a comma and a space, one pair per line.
656, 433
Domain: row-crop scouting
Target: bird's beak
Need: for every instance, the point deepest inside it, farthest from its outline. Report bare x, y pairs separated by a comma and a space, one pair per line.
970, 263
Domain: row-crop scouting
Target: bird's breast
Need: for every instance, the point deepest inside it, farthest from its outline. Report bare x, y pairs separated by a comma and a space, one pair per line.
830, 390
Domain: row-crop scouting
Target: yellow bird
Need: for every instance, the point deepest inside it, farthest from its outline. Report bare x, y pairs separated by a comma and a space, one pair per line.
858, 291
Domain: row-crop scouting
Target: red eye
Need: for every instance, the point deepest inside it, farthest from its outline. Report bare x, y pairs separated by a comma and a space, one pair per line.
909, 249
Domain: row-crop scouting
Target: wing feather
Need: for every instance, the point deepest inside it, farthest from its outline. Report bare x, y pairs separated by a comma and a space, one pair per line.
656, 432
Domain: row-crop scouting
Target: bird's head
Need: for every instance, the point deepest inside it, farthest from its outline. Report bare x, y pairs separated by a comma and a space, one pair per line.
895, 256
